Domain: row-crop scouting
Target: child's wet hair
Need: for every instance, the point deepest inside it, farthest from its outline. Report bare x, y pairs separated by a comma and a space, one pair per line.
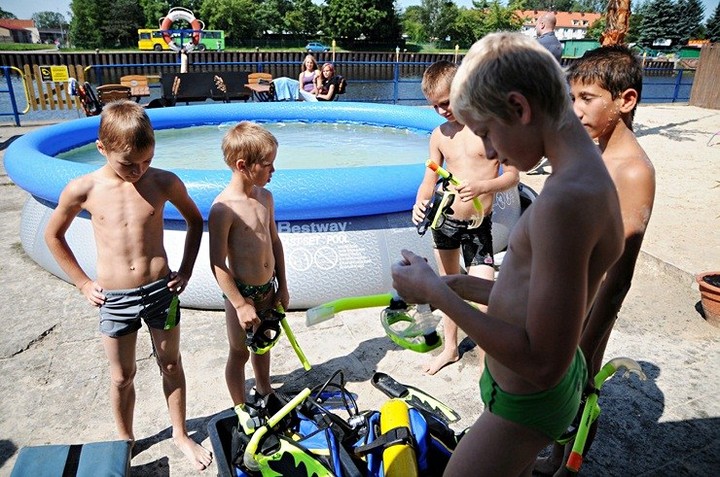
248, 141
507, 62
125, 126
438, 78
613, 68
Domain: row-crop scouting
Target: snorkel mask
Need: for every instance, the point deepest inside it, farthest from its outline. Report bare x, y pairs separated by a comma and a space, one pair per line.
437, 208
267, 334
411, 327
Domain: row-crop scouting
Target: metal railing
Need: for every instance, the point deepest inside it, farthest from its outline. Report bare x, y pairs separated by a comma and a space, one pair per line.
393, 82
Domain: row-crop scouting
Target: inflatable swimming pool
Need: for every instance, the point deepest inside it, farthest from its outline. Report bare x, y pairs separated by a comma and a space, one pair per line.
341, 228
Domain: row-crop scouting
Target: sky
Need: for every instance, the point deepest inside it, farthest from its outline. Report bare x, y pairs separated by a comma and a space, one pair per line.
24, 9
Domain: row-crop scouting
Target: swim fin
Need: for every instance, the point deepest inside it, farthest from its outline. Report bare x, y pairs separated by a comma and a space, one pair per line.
414, 397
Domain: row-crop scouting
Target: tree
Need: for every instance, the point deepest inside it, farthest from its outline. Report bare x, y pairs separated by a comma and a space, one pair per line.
84, 28
690, 17
45, 20
550, 5
469, 26
4, 14
501, 18
236, 17
659, 21
713, 26
438, 18
303, 18
352, 19
412, 24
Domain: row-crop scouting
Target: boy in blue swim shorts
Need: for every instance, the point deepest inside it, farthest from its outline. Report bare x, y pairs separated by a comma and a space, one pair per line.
125, 199
457, 234
246, 254
512, 94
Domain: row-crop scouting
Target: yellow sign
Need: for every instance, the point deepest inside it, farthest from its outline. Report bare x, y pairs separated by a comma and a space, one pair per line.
57, 73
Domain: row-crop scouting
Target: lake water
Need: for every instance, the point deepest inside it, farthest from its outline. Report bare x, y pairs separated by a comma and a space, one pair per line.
302, 145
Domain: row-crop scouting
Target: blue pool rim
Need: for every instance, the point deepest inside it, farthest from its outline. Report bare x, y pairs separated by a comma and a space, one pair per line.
300, 194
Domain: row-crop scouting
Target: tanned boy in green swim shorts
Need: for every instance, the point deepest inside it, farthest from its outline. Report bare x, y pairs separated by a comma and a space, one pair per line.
246, 254
512, 93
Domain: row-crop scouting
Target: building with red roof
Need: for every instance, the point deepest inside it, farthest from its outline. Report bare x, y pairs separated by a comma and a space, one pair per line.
568, 26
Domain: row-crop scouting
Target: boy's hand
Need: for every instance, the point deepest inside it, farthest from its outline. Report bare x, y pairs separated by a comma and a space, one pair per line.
93, 292
247, 316
413, 278
282, 297
468, 192
178, 282
418, 212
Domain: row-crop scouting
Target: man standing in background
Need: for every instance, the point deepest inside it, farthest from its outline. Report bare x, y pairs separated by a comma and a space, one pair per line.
545, 30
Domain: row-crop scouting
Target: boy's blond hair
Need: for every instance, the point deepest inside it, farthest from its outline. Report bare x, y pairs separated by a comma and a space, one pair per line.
248, 141
438, 78
501, 63
125, 126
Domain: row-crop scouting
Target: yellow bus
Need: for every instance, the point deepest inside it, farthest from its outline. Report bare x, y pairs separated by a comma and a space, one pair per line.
149, 39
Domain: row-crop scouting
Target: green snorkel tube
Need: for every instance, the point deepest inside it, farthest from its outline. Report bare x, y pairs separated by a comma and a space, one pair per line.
267, 335
250, 457
415, 331
591, 411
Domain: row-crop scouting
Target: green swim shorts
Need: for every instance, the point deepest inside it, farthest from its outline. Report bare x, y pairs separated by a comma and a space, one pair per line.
550, 412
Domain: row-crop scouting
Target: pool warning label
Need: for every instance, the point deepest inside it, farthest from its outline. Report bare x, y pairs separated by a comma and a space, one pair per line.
54, 73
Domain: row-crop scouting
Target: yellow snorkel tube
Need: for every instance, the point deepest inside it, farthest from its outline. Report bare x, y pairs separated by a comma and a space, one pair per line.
477, 219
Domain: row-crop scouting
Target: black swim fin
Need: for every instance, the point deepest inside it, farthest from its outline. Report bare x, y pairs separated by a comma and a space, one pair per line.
414, 397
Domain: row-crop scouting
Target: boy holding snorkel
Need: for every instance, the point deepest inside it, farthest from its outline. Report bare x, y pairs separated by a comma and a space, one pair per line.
605, 87
512, 94
246, 255
455, 148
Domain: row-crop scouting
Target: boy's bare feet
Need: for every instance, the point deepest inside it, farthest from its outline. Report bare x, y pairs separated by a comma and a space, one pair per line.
199, 456
447, 356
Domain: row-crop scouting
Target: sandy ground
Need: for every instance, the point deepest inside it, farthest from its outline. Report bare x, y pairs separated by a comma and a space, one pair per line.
53, 383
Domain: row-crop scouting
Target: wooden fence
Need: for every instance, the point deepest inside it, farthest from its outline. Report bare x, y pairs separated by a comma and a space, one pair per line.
706, 87
48, 95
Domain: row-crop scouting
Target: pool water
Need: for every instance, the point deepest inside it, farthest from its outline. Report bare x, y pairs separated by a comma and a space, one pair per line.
302, 145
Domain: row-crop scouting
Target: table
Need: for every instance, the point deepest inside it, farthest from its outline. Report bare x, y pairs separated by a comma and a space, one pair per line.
138, 92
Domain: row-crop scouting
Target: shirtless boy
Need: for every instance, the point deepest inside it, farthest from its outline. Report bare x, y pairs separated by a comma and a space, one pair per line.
511, 92
606, 85
246, 254
454, 147
125, 199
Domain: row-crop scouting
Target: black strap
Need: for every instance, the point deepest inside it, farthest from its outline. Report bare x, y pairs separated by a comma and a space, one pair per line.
73, 461
395, 436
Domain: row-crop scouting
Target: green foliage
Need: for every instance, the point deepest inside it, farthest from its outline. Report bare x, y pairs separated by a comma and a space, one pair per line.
438, 17
236, 17
303, 18
412, 24
690, 18
596, 29
659, 21
713, 26
4, 14
49, 20
353, 19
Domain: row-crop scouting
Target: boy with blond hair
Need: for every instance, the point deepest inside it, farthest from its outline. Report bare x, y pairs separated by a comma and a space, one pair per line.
605, 87
246, 254
454, 147
512, 93
125, 199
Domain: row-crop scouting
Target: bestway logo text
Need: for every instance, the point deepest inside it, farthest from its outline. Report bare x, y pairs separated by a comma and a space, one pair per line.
312, 227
